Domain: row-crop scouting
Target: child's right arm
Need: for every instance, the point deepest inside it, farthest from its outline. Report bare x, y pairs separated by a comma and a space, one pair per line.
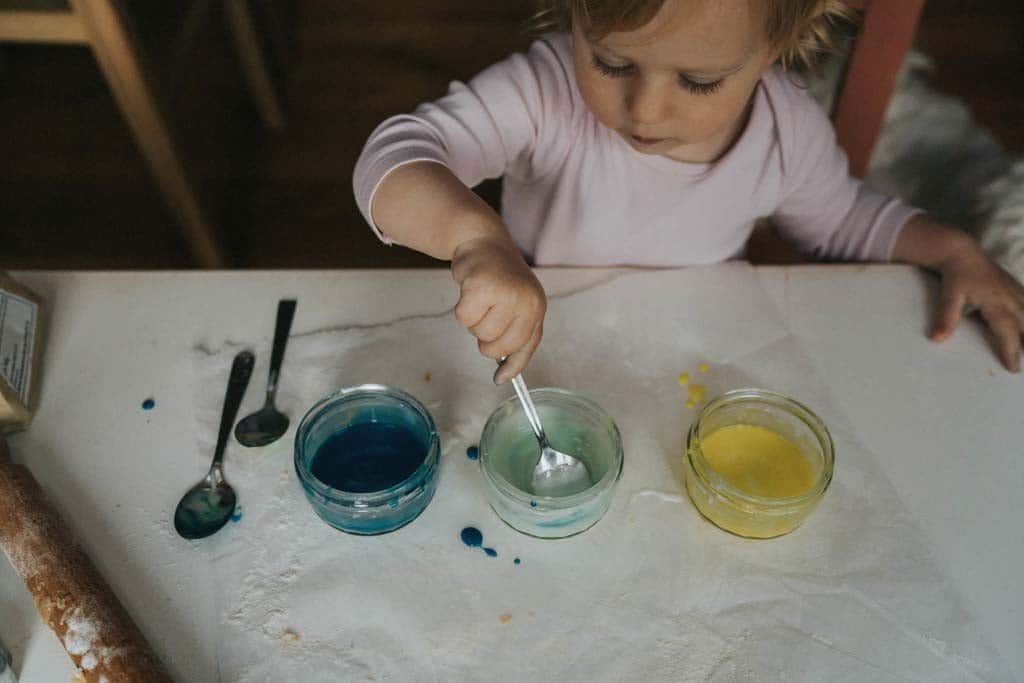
413, 180
422, 205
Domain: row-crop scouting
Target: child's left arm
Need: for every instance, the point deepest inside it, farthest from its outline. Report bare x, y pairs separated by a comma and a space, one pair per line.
969, 278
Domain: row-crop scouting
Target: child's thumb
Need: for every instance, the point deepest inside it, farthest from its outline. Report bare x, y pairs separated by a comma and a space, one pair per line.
951, 310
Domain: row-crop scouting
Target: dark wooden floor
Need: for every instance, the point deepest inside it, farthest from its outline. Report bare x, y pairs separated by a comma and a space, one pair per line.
74, 192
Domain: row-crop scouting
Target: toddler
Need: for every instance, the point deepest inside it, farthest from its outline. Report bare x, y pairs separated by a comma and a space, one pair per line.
648, 133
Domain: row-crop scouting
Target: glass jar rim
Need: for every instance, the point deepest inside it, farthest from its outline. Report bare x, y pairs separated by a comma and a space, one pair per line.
509, 489
368, 498
700, 465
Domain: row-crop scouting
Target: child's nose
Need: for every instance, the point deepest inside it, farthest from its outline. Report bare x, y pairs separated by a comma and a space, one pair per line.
646, 102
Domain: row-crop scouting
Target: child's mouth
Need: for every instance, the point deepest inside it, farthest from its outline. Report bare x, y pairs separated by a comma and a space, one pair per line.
646, 142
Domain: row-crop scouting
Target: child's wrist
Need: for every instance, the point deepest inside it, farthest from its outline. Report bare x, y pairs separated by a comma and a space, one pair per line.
474, 228
928, 243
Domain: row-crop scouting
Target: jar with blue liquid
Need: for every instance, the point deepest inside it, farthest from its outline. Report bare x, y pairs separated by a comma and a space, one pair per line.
367, 458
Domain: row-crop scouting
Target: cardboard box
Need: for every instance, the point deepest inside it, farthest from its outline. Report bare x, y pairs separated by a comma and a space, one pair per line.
21, 338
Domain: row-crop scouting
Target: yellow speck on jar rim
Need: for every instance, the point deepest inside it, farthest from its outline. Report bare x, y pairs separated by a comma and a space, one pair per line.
758, 461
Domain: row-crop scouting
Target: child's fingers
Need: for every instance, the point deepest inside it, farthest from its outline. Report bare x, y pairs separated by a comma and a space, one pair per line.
515, 338
1007, 331
951, 309
471, 308
518, 361
493, 326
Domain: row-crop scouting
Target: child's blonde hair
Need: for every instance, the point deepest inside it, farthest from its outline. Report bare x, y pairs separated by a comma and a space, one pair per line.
802, 30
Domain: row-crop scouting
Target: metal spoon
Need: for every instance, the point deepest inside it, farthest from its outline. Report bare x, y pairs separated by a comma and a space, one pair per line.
208, 505
267, 425
556, 473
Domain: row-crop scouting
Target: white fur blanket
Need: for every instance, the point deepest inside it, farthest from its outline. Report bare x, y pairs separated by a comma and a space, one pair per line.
933, 154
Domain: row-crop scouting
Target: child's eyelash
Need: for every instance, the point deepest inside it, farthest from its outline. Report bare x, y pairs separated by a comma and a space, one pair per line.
612, 71
628, 70
700, 88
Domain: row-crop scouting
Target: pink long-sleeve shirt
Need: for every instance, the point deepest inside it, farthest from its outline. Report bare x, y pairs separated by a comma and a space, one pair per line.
575, 193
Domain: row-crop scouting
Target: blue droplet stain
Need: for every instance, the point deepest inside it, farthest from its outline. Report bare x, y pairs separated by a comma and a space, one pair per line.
472, 537
472, 452
148, 404
533, 503
236, 516
517, 561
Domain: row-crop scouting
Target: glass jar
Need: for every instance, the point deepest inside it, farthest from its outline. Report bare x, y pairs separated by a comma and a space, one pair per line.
368, 512
740, 512
509, 452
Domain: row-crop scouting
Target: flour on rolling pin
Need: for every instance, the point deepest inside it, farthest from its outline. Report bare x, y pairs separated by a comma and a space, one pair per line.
20, 354
71, 596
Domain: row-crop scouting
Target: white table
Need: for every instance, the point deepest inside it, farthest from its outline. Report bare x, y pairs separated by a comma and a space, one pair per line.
951, 413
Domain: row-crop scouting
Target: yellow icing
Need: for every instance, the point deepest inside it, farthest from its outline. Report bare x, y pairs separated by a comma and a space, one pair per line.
684, 378
758, 461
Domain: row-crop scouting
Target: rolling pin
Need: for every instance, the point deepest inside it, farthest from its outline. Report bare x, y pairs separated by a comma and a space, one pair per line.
71, 596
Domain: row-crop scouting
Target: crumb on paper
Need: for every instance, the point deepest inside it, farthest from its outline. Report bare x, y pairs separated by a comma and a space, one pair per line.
289, 637
426, 377
530, 613
991, 372
505, 618
684, 379
703, 367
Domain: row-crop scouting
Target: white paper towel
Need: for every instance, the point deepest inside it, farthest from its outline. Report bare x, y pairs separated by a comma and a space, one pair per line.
652, 592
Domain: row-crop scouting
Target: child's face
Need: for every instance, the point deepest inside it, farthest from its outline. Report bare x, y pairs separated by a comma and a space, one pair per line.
678, 86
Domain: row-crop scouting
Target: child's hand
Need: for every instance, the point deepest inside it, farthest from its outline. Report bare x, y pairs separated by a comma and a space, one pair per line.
502, 302
971, 279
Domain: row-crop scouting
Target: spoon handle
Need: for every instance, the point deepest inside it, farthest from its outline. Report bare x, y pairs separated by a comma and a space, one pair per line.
241, 371
285, 313
531, 410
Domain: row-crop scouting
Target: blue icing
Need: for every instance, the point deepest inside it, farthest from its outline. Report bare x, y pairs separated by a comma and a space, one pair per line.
371, 456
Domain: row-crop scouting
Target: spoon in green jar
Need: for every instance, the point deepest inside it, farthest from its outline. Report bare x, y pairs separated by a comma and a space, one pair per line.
556, 473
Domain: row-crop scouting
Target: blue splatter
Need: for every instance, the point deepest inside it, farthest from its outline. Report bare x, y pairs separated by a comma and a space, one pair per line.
148, 404
472, 537
236, 516
472, 452
533, 503
517, 561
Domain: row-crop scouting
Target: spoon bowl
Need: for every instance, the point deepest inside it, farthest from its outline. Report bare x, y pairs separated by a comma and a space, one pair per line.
204, 509
263, 427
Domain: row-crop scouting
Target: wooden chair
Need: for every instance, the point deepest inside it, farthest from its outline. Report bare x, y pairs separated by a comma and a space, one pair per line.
886, 35
105, 27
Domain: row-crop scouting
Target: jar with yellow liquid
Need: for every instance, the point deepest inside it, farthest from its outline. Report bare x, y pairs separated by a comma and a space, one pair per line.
757, 462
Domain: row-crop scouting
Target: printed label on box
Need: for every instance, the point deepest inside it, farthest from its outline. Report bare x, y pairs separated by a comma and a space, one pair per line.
17, 334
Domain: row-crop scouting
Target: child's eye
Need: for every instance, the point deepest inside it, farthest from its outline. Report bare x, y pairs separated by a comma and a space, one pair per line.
613, 71
698, 87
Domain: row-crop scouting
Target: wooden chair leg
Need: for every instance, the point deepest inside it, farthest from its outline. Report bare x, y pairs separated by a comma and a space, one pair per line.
253, 60
120, 60
885, 38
